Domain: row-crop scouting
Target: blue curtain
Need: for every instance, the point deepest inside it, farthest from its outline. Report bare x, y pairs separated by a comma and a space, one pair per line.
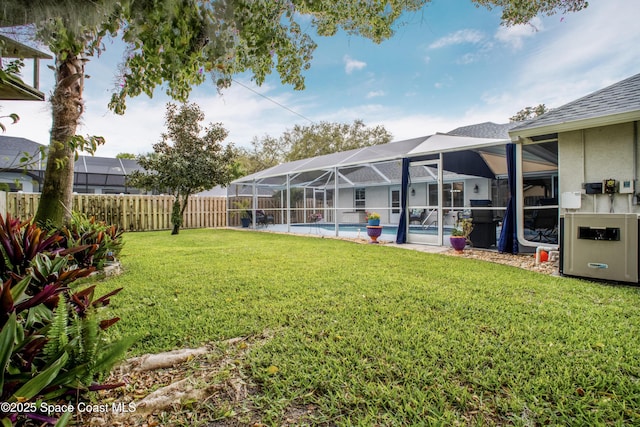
508, 236
401, 237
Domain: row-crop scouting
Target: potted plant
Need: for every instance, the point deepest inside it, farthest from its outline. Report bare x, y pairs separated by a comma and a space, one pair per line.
460, 234
373, 218
242, 207
374, 229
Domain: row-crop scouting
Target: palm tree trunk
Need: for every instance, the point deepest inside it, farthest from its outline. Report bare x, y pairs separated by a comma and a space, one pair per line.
56, 201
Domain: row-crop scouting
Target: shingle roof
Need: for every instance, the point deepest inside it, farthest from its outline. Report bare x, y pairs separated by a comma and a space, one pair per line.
484, 130
12, 149
619, 98
15, 144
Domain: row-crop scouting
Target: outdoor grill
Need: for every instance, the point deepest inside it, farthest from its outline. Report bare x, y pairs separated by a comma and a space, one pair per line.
484, 224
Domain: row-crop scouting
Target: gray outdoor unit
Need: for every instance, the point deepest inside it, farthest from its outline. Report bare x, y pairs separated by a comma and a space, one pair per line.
599, 246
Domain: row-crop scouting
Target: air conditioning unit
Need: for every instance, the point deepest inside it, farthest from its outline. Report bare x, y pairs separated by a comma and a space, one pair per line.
599, 246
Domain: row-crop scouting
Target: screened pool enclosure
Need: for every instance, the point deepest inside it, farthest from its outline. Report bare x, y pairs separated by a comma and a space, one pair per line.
420, 187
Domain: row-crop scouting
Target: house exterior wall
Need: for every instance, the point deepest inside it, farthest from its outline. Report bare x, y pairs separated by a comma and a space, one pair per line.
345, 203
25, 182
484, 189
378, 200
420, 197
593, 155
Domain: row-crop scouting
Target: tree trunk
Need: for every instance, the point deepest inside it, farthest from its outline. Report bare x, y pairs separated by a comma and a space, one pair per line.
176, 215
56, 202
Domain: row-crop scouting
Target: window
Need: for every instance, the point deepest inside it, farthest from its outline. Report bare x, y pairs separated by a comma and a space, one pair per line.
457, 194
395, 201
360, 199
452, 195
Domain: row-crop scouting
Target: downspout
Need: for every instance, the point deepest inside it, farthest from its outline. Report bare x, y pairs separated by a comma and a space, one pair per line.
634, 197
520, 206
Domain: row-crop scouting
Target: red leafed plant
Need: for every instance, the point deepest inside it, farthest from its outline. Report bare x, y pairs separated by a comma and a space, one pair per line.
51, 343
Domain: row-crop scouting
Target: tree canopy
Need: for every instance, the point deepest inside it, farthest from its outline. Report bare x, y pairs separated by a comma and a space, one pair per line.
528, 113
523, 11
326, 138
303, 142
179, 42
188, 159
265, 152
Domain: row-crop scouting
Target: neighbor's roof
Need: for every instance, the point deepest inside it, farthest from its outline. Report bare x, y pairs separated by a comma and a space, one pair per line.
618, 103
13, 148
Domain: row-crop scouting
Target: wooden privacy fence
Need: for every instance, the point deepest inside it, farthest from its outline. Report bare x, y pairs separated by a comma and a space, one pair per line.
130, 212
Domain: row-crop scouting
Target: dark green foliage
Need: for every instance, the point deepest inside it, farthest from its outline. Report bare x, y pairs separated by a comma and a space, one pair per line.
51, 342
190, 158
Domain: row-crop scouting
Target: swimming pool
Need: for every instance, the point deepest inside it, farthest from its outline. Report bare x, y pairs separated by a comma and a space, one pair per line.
389, 232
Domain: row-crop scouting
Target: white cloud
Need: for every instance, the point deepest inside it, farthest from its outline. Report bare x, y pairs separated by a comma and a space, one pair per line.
375, 93
445, 81
468, 58
351, 65
459, 37
514, 35
243, 113
595, 48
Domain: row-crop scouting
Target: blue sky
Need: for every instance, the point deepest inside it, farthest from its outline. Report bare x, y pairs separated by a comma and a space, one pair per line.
449, 65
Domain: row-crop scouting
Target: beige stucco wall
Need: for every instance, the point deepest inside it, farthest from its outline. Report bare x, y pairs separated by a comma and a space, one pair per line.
593, 155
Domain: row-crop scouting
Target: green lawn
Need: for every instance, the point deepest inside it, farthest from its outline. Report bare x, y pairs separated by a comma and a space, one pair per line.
375, 335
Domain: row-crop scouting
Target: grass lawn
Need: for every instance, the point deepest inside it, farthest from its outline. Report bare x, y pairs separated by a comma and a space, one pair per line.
375, 335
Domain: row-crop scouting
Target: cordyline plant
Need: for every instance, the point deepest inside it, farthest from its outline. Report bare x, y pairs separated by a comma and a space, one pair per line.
103, 241
51, 345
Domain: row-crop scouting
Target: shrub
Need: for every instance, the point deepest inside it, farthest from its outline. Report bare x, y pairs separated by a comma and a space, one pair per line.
105, 241
51, 342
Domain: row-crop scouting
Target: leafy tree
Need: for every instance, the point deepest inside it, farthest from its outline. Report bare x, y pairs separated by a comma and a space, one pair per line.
180, 41
326, 138
528, 113
264, 153
522, 11
125, 156
185, 162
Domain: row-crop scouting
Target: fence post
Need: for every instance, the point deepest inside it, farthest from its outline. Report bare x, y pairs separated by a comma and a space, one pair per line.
3, 203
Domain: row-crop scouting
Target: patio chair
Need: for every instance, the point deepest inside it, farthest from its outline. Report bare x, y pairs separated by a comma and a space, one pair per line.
545, 222
429, 219
262, 218
416, 216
